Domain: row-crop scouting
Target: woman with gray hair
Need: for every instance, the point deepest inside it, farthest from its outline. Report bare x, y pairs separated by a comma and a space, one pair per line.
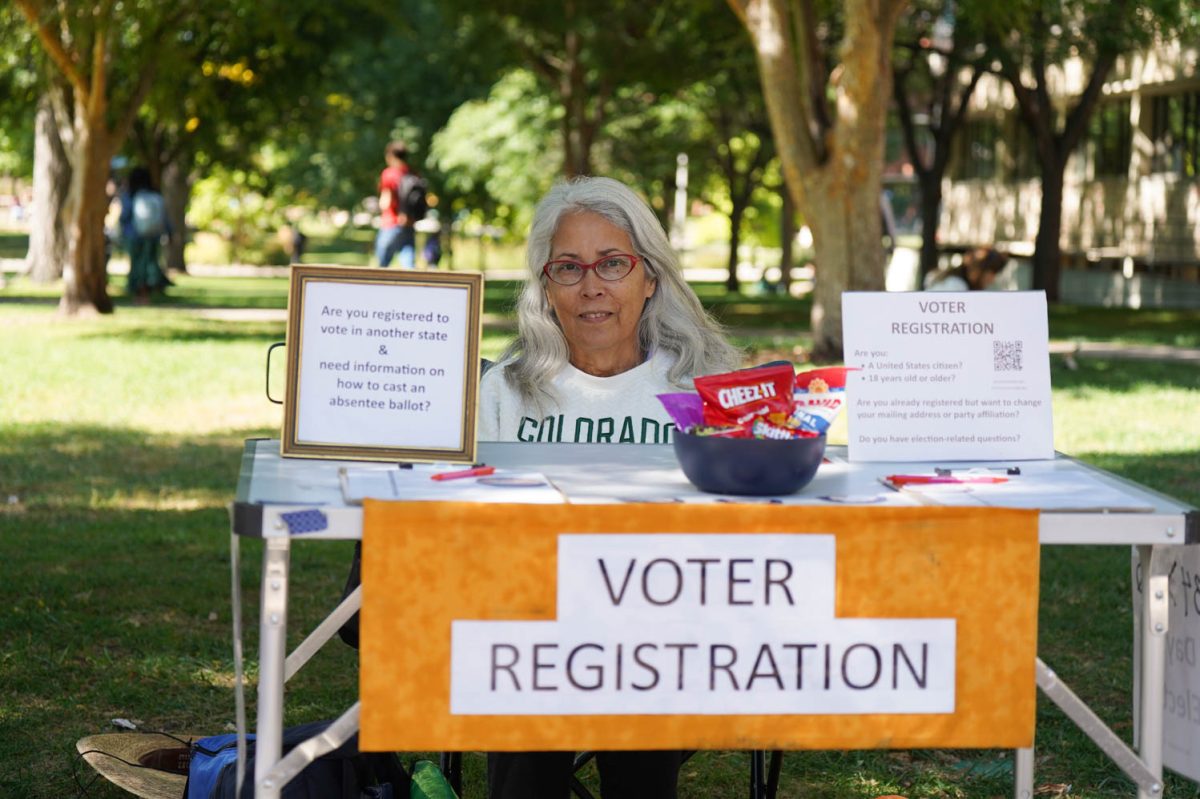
605, 323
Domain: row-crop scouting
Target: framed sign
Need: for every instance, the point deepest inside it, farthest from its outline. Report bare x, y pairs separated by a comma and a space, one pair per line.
383, 364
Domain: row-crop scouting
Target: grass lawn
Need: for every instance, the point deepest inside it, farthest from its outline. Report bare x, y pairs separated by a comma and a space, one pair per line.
120, 441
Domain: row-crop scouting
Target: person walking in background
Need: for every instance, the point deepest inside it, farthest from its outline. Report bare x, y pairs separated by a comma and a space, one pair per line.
143, 223
433, 248
977, 272
396, 234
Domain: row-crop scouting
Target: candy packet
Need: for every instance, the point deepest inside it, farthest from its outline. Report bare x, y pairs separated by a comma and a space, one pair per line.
686, 409
737, 398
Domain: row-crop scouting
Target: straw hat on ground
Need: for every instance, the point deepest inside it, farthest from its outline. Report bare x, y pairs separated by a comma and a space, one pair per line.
146, 764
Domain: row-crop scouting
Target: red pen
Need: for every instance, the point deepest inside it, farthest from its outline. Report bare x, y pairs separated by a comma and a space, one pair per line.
927, 479
478, 471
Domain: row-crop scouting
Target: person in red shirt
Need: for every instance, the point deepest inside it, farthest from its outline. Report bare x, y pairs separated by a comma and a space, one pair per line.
396, 234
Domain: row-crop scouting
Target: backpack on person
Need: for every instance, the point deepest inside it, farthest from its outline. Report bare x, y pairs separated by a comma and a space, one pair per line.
413, 197
149, 214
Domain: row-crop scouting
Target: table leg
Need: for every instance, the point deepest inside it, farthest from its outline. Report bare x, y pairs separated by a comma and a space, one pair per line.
1023, 773
272, 651
1155, 612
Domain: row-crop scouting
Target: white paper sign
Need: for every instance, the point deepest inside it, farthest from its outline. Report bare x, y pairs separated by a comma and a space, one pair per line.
704, 624
383, 365
947, 376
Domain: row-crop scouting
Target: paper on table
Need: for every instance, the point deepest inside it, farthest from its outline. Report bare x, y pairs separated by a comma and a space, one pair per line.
415, 484
1055, 491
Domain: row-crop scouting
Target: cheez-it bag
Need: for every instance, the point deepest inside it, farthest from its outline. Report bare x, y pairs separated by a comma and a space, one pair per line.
736, 398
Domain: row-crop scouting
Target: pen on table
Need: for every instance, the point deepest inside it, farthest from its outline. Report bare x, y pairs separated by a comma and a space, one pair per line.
478, 471
926, 479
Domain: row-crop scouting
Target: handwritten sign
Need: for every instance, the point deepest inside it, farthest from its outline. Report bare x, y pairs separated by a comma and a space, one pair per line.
947, 376
382, 365
1181, 700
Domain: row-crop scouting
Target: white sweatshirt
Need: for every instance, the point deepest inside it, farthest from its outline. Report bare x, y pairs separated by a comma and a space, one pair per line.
618, 409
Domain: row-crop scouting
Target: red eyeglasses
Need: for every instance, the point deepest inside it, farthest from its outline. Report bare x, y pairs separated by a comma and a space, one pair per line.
613, 266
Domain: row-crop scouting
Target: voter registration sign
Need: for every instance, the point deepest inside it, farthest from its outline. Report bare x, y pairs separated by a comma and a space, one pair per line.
947, 376
641, 626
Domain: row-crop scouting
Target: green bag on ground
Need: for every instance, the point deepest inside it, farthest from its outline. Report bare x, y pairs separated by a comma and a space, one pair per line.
429, 783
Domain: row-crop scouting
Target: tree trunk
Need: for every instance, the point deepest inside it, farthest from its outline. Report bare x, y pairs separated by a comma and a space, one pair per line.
1047, 252
849, 253
85, 288
787, 237
931, 216
177, 191
832, 167
49, 239
735, 240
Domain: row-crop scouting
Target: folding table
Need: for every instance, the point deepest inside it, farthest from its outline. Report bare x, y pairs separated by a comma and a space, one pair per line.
281, 500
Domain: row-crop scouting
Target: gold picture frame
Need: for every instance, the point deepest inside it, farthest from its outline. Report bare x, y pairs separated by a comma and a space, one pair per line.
382, 364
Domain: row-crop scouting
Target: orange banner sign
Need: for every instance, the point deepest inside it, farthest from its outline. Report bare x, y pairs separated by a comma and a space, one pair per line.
522, 627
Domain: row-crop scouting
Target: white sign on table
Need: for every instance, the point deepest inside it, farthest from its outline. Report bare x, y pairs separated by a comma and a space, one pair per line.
947, 376
382, 364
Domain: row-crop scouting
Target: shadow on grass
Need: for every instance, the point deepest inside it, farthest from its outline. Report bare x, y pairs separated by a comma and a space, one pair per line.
169, 329
13, 244
115, 601
1122, 375
1176, 474
1179, 328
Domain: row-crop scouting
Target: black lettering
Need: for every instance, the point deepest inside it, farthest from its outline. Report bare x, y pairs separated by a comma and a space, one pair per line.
616, 598
637, 658
765, 652
780, 582
920, 679
650, 431
682, 650
846, 669
703, 575
627, 436
646, 581
506, 666
733, 580
538, 666
800, 662
604, 429
546, 430
714, 666
597, 671
580, 436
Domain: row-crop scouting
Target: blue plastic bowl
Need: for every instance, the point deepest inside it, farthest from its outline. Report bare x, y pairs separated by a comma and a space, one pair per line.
748, 466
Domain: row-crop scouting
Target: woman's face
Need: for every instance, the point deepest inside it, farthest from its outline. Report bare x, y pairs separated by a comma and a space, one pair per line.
598, 317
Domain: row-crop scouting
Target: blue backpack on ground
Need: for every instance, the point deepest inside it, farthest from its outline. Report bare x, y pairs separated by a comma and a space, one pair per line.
149, 214
344, 773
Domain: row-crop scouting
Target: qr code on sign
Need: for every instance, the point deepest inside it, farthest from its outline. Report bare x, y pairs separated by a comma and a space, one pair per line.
1006, 356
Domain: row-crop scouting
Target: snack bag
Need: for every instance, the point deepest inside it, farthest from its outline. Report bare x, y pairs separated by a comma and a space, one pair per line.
686, 409
727, 431
819, 396
737, 398
766, 427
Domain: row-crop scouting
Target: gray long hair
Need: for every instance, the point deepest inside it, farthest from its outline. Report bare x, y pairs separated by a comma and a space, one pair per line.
672, 320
